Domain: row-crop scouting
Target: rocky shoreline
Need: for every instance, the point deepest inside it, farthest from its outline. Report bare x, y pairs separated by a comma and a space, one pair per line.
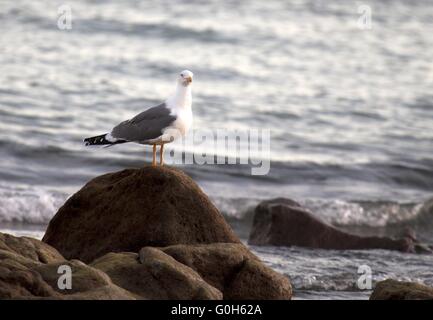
152, 233
146, 233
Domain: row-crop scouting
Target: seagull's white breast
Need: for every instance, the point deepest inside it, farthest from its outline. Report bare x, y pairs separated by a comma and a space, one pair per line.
183, 121
180, 105
180, 126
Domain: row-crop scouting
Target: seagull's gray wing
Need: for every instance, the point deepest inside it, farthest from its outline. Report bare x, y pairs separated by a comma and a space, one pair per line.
145, 126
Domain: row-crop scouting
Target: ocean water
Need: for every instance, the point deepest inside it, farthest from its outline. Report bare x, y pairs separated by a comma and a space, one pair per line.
350, 111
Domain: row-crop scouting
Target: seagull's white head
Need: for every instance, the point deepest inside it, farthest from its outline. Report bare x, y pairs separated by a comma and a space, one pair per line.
185, 78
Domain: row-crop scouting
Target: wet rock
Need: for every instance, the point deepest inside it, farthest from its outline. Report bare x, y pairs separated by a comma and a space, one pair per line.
398, 290
284, 222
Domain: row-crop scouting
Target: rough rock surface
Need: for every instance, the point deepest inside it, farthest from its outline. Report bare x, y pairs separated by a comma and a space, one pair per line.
87, 282
158, 276
133, 208
20, 282
187, 272
29, 270
398, 290
232, 269
29, 248
283, 222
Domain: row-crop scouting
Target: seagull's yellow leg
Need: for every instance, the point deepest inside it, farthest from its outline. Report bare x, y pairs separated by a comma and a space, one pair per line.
154, 155
161, 155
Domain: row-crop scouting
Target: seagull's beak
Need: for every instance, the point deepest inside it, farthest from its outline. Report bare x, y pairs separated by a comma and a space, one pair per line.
186, 80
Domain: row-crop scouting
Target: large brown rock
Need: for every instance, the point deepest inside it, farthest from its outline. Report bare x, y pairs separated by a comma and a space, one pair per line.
399, 290
232, 269
133, 208
283, 222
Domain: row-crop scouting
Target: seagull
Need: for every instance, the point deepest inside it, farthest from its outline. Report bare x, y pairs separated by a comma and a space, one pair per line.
157, 125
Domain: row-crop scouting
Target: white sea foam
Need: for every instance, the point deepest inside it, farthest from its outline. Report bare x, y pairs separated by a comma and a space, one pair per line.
367, 213
27, 205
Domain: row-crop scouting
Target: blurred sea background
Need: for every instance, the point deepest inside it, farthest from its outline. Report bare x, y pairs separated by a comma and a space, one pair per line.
350, 111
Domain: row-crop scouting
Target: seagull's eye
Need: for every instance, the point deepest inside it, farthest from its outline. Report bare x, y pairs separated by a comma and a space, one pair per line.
181, 74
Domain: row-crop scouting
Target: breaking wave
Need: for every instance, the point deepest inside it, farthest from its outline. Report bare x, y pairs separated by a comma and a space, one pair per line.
29, 206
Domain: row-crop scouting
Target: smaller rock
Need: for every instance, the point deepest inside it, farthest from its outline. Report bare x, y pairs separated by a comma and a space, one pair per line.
398, 290
30, 248
255, 281
155, 276
284, 222
29, 270
234, 270
87, 282
18, 255
19, 282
